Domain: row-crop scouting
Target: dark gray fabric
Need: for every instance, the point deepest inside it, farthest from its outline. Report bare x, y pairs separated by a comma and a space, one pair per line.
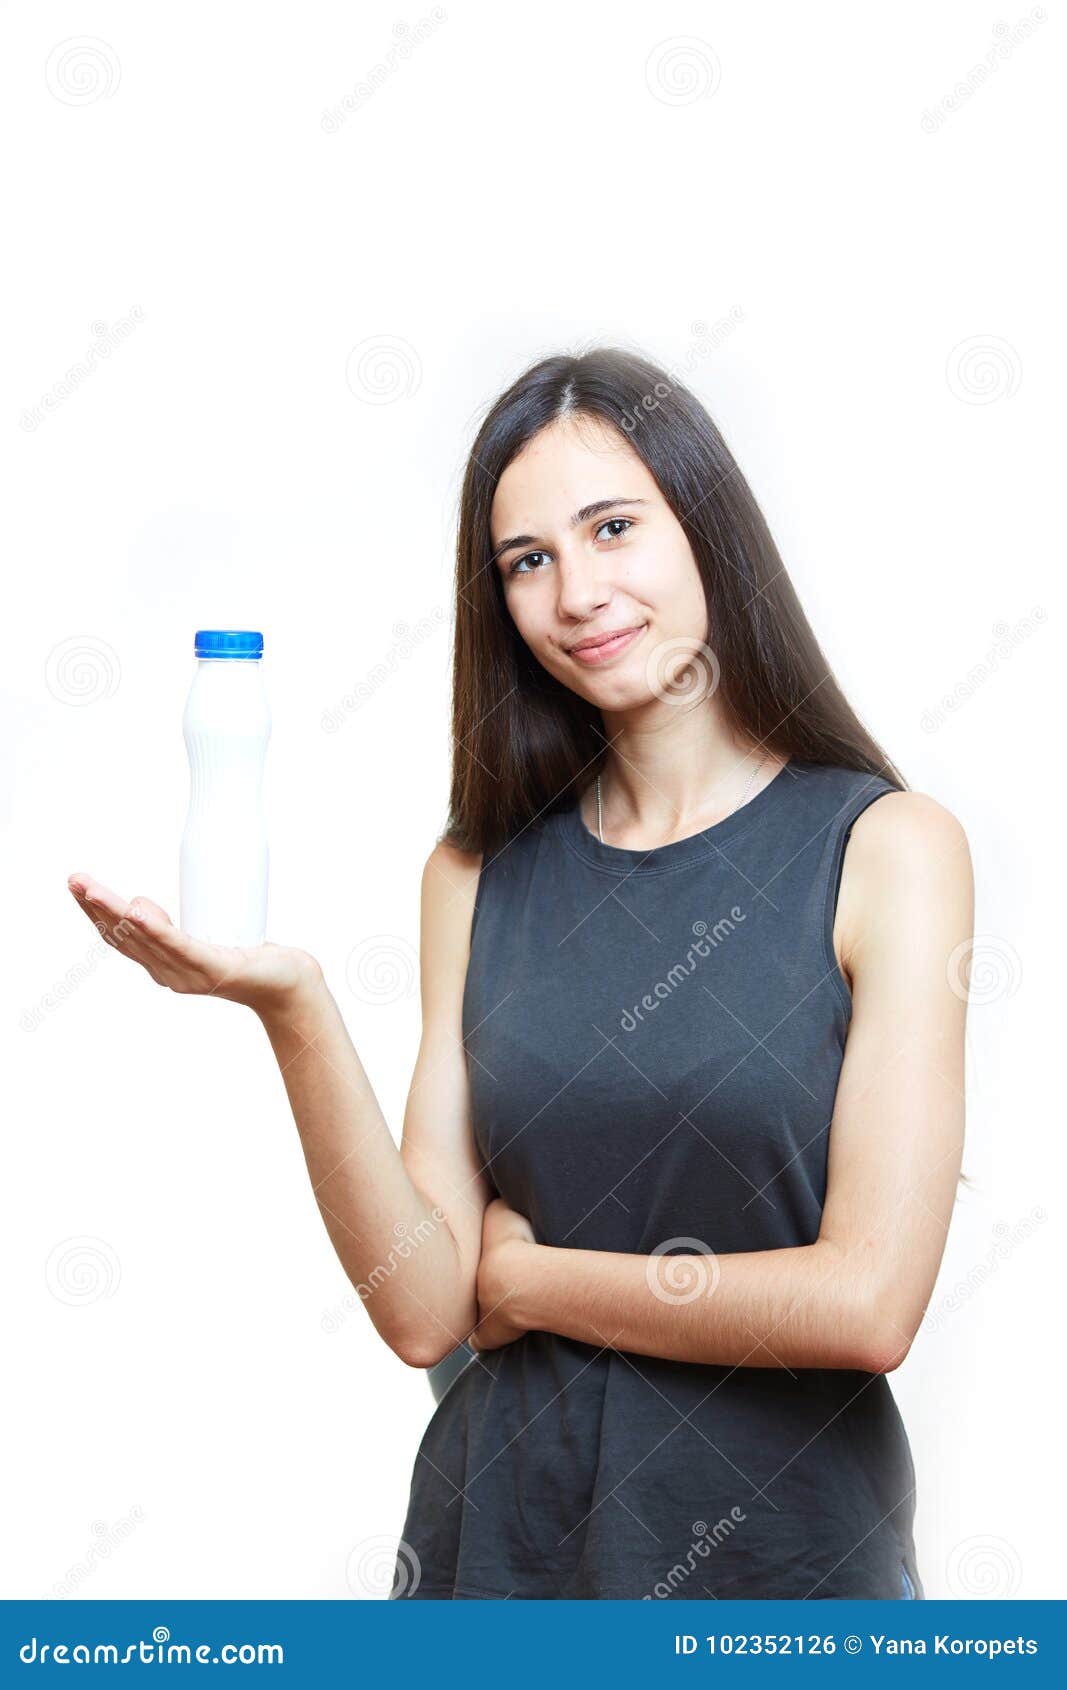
442, 1374
654, 1040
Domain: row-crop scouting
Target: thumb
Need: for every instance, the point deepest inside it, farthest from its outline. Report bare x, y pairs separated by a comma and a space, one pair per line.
148, 907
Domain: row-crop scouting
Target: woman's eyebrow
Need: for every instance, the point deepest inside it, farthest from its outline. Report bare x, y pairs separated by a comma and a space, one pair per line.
586, 512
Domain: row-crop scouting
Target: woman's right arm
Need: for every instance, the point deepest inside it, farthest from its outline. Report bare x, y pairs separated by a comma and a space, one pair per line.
406, 1225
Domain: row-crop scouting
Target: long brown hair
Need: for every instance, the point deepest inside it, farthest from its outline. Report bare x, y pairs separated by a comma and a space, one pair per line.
520, 738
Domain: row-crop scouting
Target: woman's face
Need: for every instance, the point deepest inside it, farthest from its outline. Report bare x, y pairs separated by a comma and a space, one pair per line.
586, 544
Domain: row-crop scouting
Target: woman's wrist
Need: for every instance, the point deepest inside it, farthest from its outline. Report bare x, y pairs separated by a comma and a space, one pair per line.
526, 1271
295, 1005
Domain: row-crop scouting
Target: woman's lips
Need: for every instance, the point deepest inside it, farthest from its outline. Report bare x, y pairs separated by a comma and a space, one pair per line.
593, 655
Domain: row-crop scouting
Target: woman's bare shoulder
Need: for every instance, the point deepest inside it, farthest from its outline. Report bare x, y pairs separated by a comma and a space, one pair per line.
907, 863
905, 829
449, 887
448, 868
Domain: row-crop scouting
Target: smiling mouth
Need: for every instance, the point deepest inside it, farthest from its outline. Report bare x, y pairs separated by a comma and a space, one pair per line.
608, 646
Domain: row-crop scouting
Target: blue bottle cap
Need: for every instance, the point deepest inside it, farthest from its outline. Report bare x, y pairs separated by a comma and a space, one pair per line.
228, 642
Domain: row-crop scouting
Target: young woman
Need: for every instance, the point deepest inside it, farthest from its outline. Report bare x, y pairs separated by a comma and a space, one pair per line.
685, 1127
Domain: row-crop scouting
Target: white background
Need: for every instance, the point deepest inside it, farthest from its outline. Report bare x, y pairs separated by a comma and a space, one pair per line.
526, 180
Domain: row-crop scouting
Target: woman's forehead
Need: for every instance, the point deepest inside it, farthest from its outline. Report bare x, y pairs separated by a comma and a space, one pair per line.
563, 468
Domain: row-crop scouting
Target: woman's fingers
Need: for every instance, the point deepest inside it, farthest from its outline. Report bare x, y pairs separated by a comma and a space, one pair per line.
257, 975
140, 915
104, 908
107, 912
155, 913
94, 892
143, 929
139, 928
190, 959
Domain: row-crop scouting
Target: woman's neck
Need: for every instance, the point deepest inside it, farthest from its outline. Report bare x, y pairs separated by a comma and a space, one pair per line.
660, 783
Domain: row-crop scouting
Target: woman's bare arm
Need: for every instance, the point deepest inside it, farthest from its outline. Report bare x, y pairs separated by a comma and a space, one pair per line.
406, 1225
855, 1297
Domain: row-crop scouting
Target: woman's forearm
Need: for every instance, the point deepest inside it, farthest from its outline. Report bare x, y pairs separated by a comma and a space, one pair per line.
395, 1246
793, 1308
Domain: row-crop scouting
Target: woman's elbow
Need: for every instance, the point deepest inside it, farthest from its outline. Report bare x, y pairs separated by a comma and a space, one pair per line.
885, 1354
419, 1356
880, 1337
422, 1351
424, 1346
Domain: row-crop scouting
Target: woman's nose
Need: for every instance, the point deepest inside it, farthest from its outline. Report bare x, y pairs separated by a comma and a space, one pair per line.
583, 587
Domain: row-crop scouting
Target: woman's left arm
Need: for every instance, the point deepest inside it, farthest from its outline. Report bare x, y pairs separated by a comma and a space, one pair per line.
856, 1296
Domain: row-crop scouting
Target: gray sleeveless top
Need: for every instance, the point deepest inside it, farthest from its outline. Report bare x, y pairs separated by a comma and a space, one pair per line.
653, 1043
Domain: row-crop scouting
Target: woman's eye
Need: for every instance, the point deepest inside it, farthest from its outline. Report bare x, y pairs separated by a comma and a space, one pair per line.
514, 570
618, 523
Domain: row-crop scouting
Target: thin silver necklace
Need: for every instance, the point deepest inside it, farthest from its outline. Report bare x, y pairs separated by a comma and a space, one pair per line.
730, 811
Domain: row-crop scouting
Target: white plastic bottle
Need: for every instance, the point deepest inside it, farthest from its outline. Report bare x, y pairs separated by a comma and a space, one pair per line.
224, 855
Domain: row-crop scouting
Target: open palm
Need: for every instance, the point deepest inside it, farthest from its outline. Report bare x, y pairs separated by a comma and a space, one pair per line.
260, 976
